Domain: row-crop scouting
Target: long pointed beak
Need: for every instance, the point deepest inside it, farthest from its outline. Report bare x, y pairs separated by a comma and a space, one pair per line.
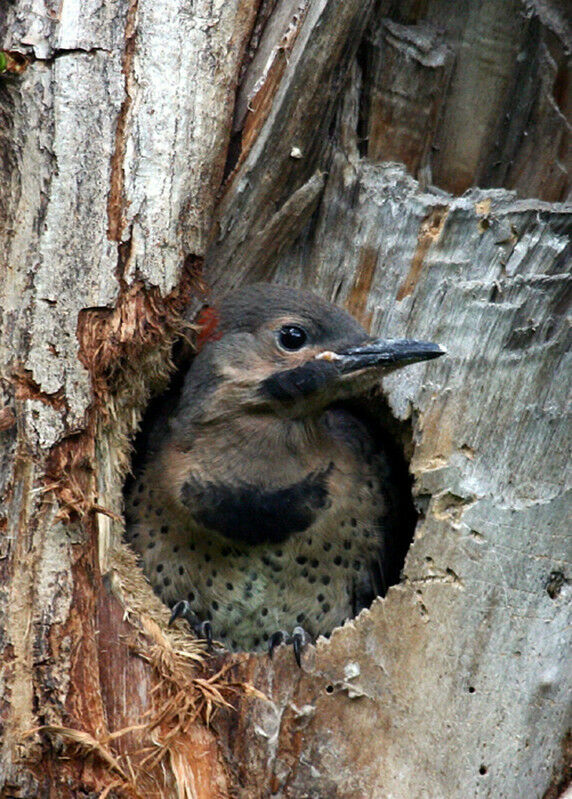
383, 352
334, 375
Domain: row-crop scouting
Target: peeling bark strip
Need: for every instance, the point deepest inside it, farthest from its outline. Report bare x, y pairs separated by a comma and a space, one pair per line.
263, 78
294, 136
180, 68
28, 389
116, 748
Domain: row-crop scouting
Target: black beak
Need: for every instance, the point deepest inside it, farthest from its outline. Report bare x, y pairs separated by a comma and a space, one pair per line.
325, 374
383, 352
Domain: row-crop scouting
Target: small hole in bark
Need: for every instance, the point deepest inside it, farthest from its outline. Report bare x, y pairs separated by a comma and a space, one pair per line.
483, 770
555, 584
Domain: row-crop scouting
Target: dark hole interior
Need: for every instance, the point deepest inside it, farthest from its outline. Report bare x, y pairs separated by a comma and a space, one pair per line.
395, 439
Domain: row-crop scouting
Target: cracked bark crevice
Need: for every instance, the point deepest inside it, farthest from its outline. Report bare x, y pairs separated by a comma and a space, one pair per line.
116, 199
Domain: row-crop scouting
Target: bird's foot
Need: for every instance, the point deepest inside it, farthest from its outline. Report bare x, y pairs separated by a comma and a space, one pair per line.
202, 629
299, 638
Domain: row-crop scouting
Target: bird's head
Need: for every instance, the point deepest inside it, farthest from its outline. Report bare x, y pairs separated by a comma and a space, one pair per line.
275, 349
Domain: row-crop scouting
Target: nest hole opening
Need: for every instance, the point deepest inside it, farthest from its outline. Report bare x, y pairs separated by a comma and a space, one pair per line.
391, 435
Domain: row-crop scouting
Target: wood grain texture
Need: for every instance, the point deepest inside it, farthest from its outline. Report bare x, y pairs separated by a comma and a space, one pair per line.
445, 676
471, 95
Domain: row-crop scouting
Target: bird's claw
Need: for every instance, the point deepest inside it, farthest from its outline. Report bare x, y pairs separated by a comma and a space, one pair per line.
299, 638
202, 629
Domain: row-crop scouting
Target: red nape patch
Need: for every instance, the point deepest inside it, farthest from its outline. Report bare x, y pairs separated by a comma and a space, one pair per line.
208, 320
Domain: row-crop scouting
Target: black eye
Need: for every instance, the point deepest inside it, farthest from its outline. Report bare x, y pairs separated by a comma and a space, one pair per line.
292, 337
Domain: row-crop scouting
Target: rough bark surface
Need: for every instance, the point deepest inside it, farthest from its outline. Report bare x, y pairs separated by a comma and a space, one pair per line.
452, 676
140, 139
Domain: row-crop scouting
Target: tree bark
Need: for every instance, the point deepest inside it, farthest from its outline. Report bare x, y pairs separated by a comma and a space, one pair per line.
405, 160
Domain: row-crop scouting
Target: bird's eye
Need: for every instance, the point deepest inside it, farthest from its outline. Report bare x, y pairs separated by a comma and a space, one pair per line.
292, 337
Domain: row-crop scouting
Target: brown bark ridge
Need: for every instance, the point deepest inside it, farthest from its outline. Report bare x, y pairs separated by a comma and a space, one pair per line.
408, 161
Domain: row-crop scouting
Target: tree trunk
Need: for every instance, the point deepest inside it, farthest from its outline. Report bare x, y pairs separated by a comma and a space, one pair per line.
153, 151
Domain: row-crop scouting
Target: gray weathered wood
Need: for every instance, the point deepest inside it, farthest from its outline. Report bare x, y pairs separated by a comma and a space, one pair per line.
458, 682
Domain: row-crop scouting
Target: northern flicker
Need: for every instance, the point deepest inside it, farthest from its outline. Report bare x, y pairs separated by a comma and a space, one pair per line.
264, 506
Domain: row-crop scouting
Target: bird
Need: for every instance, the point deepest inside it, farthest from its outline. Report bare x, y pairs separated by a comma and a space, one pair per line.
263, 508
